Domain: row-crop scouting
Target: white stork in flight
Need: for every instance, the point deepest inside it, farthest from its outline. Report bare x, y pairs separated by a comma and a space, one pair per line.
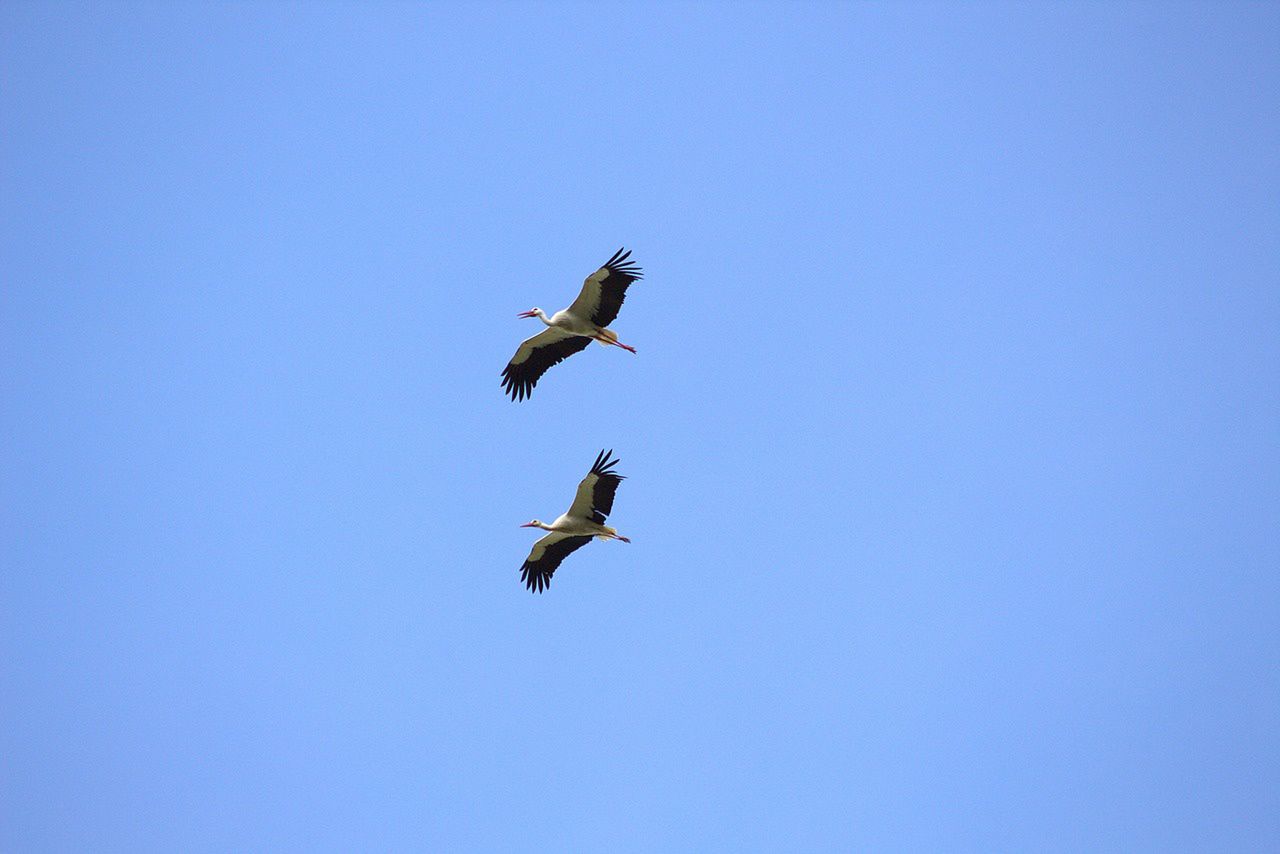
572, 329
583, 520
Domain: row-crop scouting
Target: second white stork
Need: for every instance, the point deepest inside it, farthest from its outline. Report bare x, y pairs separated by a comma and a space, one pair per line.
574, 328
574, 529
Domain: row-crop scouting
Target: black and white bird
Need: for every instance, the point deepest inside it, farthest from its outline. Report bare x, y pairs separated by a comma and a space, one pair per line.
583, 520
574, 328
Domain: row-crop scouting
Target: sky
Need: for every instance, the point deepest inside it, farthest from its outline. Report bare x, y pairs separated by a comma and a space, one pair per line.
952, 441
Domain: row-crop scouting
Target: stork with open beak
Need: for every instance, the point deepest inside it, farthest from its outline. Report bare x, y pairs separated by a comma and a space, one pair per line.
574, 328
574, 529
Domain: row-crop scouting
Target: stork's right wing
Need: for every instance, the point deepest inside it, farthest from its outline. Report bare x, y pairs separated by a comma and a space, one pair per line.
549, 347
594, 499
604, 290
547, 555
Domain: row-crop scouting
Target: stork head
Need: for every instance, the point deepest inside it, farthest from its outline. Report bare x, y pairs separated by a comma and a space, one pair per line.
533, 312
534, 524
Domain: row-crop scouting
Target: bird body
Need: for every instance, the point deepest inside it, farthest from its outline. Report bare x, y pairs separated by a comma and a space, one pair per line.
568, 323
570, 330
573, 529
574, 526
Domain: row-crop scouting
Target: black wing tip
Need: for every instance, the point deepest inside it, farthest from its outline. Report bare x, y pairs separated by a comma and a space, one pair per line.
603, 464
517, 389
517, 386
535, 581
619, 264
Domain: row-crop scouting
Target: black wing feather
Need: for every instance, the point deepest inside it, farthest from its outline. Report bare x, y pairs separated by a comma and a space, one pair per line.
536, 575
606, 486
613, 290
518, 380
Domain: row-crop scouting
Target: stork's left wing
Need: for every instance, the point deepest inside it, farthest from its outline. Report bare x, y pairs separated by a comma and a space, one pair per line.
535, 356
548, 553
605, 289
594, 500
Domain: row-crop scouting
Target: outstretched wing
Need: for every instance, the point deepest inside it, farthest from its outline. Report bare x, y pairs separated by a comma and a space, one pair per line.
549, 347
605, 289
594, 500
547, 554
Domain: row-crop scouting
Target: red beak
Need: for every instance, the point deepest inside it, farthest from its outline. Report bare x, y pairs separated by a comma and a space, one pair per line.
528, 525
526, 314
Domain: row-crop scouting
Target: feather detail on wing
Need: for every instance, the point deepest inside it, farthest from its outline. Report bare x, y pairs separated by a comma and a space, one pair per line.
604, 290
547, 555
594, 499
535, 356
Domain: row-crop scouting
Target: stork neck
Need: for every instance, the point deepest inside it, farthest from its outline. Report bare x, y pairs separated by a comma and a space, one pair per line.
542, 315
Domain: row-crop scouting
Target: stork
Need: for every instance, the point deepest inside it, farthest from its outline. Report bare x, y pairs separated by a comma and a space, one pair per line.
574, 328
574, 529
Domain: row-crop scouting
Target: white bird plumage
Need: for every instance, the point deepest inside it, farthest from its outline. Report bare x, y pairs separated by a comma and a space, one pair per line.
572, 329
575, 527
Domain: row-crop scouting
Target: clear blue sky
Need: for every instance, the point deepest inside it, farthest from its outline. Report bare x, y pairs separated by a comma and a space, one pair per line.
953, 440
